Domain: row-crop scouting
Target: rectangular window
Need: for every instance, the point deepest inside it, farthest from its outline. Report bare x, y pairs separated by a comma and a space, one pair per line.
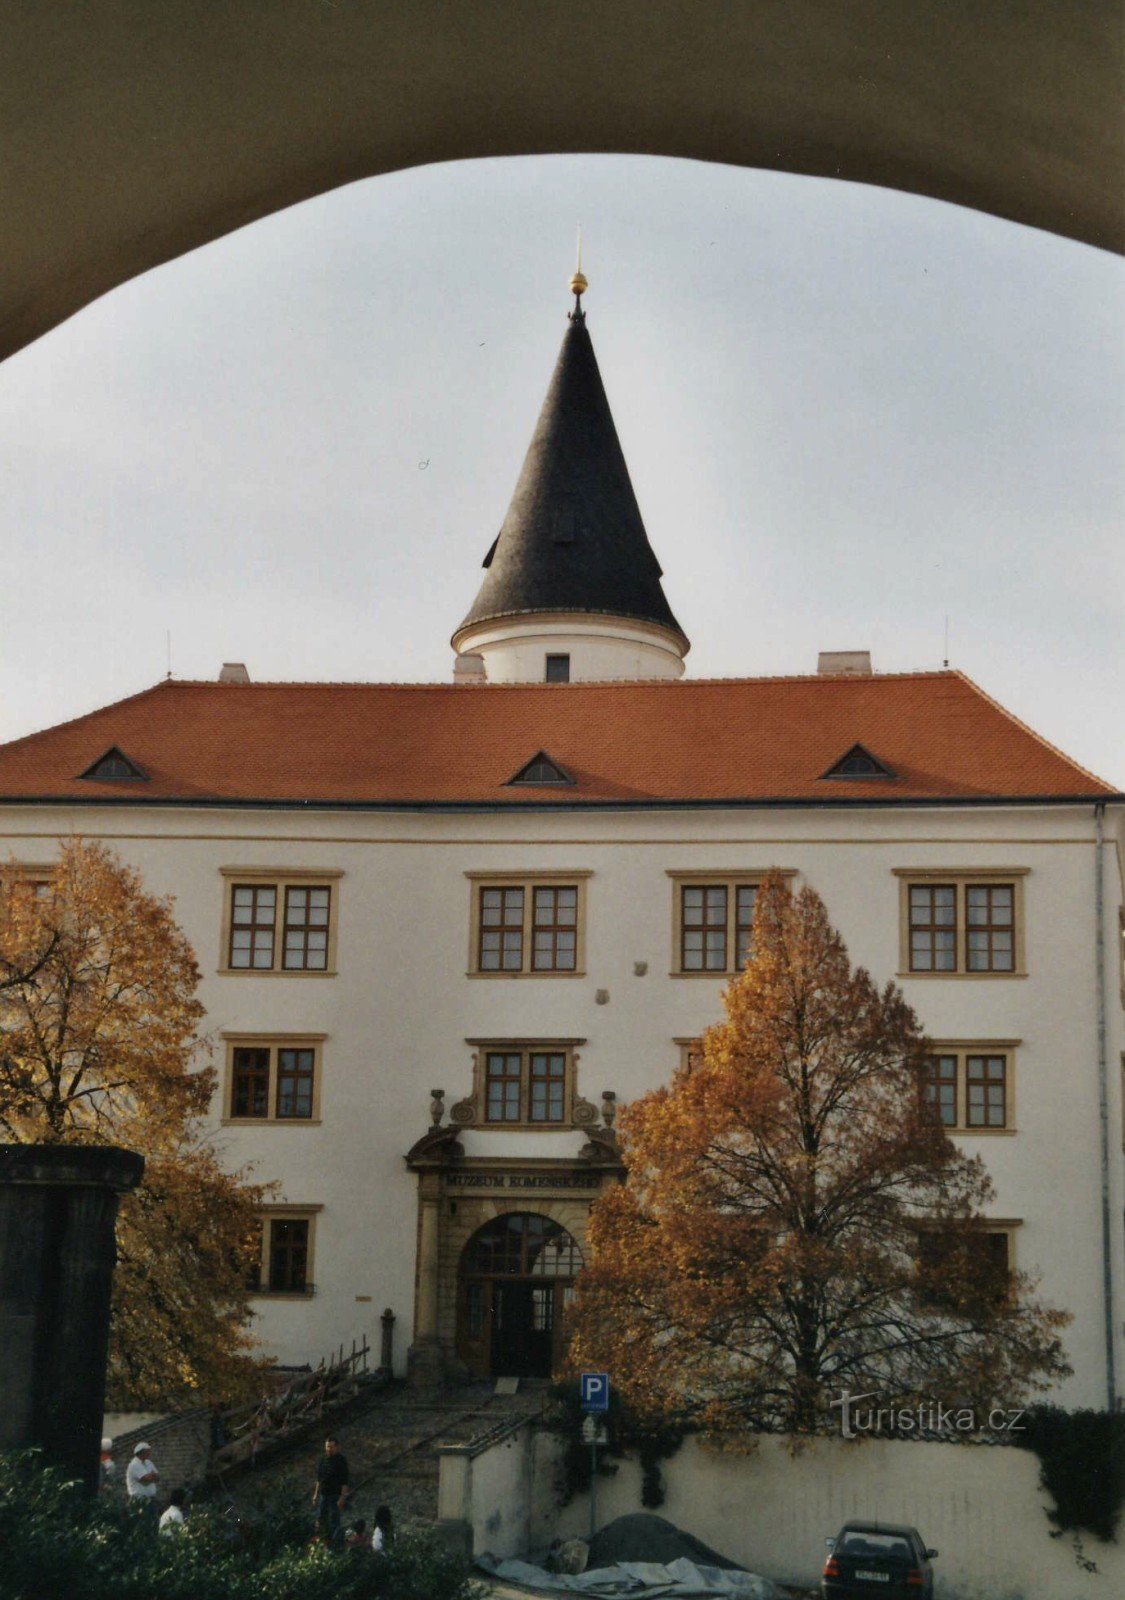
280, 922
285, 1265
253, 915
933, 928
745, 895
713, 922
306, 928
970, 1086
989, 917
295, 1077
501, 930
554, 928
703, 928
273, 1078
986, 1102
962, 923
523, 1085
525, 927
558, 669
36, 882
941, 1089
288, 1255
547, 1082
987, 1255
504, 1084
250, 1082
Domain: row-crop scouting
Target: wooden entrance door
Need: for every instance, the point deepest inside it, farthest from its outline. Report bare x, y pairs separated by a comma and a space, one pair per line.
515, 1273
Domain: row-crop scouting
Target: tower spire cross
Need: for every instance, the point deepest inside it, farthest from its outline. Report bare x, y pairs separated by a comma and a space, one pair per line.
578, 284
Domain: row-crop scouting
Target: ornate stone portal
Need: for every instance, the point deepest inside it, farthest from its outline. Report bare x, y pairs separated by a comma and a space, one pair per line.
499, 1242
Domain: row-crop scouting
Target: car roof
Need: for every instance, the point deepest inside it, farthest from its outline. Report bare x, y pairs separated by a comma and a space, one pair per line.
894, 1530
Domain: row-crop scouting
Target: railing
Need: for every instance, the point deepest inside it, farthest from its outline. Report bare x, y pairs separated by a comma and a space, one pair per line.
240, 1434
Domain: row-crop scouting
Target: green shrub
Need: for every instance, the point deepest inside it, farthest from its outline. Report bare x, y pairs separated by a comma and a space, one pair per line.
1081, 1466
58, 1545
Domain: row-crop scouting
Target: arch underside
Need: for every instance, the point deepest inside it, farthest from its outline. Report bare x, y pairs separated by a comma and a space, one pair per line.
133, 133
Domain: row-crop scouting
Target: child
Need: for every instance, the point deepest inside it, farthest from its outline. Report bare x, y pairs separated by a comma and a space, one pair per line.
384, 1531
173, 1519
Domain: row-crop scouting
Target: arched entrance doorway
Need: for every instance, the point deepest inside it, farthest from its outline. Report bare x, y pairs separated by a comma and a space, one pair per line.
513, 1283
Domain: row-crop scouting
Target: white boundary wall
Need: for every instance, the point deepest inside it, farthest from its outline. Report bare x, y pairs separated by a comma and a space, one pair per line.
980, 1506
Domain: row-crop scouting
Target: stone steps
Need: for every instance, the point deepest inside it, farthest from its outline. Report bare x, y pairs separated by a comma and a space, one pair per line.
392, 1448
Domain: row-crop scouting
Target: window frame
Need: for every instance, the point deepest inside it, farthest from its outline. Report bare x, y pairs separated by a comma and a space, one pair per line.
960, 880
274, 1043
963, 1050
525, 1049
281, 880
998, 1227
286, 1213
528, 882
729, 878
30, 875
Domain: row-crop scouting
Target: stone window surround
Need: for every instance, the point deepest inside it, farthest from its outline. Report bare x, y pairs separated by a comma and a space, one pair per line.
528, 882
471, 1112
287, 1213
959, 878
273, 1042
281, 878
963, 1048
729, 878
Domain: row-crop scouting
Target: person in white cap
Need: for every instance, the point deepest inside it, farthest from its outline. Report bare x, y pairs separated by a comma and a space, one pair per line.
141, 1478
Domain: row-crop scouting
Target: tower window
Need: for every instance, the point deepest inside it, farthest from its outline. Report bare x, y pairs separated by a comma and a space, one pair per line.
558, 669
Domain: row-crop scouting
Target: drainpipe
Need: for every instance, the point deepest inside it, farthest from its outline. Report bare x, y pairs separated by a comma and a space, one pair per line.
1103, 1106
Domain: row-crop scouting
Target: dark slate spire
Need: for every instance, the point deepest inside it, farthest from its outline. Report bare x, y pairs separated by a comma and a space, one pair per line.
573, 539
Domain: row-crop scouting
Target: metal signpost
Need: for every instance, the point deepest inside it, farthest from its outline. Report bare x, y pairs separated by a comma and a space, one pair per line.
593, 1390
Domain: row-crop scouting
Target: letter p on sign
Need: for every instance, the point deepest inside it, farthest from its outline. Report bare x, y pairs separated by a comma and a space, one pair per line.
593, 1388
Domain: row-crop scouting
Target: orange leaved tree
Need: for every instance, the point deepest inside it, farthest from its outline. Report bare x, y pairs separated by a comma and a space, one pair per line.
98, 1045
795, 1224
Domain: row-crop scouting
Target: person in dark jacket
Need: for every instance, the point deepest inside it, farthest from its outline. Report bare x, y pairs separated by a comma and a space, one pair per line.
331, 1493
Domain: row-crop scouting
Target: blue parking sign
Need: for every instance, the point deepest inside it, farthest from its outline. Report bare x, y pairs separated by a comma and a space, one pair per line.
593, 1388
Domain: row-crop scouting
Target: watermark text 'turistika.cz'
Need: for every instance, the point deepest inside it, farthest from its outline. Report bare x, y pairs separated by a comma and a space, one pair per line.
863, 1414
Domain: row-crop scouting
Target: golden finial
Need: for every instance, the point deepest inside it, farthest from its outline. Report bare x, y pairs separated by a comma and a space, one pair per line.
578, 284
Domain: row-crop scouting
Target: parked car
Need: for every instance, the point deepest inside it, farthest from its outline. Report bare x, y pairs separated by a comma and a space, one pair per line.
874, 1558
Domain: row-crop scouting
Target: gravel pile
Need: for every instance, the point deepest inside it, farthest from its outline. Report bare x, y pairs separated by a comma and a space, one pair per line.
643, 1537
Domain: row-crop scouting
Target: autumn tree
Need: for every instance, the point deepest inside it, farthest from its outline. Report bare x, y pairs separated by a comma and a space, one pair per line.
795, 1223
98, 1045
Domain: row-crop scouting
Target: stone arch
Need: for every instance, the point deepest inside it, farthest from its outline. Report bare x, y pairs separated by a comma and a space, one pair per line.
514, 1276
1010, 110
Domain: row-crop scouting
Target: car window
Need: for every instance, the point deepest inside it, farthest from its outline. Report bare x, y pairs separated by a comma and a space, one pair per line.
868, 1543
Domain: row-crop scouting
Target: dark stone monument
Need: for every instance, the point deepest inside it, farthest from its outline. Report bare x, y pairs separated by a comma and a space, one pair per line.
58, 1206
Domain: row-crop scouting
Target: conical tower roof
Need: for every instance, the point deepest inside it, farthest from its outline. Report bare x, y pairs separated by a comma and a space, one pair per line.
573, 540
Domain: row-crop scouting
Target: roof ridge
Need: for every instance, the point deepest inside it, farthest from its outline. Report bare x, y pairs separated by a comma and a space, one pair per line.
446, 687
1026, 727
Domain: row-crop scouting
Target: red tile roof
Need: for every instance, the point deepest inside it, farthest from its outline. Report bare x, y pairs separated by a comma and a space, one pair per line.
753, 739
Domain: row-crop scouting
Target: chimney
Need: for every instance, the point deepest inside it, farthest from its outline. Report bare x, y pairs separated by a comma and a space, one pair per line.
844, 664
234, 672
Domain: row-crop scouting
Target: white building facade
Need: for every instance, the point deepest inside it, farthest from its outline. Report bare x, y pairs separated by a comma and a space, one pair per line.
446, 930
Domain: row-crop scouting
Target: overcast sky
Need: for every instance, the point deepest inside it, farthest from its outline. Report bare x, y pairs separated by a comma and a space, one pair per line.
848, 413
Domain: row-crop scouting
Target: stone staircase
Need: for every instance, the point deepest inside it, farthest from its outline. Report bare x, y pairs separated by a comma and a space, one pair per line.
392, 1448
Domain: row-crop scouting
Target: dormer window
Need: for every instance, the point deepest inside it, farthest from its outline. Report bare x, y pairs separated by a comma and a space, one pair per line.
114, 767
541, 770
858, 762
